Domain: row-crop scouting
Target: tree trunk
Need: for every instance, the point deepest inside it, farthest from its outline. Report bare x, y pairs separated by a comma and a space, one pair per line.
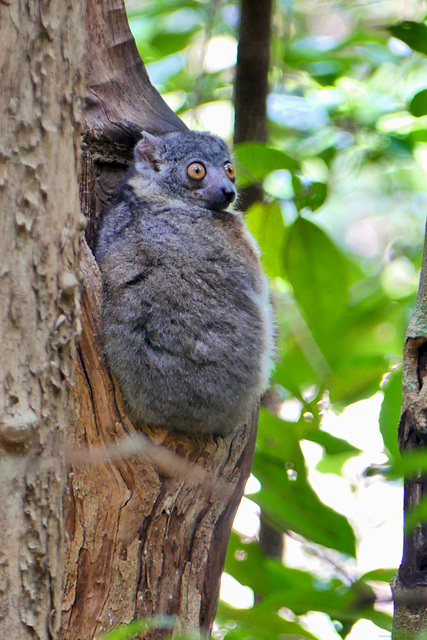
410, 584
251, 85
42, 47
250, 125
148, 514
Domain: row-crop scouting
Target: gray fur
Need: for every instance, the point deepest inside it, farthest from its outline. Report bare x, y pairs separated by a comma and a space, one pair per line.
187, 328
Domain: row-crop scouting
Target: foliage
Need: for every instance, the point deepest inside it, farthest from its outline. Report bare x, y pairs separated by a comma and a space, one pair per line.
341, 235
125, 631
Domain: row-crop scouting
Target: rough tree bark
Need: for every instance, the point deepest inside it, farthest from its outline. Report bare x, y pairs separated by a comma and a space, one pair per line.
410, 584
146, 535
42, 46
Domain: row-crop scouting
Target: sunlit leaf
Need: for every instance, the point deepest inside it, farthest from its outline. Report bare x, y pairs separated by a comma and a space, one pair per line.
159, 7
379, 575
125, 631
309, 194
356, 379
262, 620
331, 444
297, 590
295, 371
168, 43
337, 451
259, 159
287, 499
380, 618
318, 274
265, 222
333, 463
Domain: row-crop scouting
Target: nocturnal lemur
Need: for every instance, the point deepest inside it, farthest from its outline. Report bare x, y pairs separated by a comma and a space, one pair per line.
186, 319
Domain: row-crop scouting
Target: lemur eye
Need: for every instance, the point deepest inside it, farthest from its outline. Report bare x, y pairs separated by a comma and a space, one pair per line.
230, 170
196, 171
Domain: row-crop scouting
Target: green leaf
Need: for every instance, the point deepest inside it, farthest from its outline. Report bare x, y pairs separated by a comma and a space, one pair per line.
161, 7
390, 412
318, 273
380, 618
302, 364
259, 159
379, 575
356, 379
265, 222
280, 441
125, 631
326, 71
296, 507
286, 497
337, 451
261, 620
168, 43
295, 372
332, 444
414, 34
297, 590
418, 104
308, 194
333, 464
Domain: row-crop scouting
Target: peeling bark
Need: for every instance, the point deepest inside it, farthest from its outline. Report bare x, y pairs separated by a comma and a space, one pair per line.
42, 87
148, 514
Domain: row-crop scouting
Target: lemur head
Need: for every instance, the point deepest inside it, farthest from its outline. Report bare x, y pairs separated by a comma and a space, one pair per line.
187, 165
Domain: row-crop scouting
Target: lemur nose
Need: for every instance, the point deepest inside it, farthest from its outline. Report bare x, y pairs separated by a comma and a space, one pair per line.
229, 194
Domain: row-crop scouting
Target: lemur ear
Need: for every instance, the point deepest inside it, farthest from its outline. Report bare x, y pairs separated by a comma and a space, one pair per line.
147, 149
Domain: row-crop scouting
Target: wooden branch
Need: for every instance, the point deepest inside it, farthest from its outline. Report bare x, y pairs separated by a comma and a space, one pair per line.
120, 100
148, 515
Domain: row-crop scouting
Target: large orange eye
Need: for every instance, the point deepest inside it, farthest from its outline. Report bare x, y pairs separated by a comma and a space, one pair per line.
230, 170
196, 171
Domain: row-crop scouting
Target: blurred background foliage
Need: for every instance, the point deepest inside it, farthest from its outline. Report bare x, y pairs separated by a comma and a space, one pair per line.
341, 231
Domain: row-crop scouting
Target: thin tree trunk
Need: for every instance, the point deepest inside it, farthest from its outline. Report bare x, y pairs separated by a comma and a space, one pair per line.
250, 125
42, 47
147, 531
251, 85
410, 584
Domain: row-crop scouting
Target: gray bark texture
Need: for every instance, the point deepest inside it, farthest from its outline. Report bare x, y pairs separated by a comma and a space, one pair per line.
42, 48
409, 586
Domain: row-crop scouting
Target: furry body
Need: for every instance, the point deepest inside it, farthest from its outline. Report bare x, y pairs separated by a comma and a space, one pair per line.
187, 327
